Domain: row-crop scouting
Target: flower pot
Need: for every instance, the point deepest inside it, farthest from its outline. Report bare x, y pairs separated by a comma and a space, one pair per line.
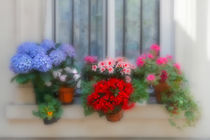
162, 87
115, 116
48, 122
66, 95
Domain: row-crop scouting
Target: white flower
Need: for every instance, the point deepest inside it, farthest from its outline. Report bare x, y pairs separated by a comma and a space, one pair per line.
63, 78
48, 84
76, 76
56, 74
68, 69
74, 71
79, 84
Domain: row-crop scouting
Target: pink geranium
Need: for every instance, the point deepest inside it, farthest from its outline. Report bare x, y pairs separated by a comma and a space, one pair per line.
120, 59
110, 70
128, 79
151, 78
155, 48
110, 62
161, 61
94, 67
127, 71
102, 64
169, 57
102, 69
140, 61
150, 56
120, 65
178, 67
90, 59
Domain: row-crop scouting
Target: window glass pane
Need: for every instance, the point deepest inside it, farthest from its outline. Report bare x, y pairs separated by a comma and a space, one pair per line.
97, 45
132, 45
119, 27
136, 21
81, 29
63, 21
150, 26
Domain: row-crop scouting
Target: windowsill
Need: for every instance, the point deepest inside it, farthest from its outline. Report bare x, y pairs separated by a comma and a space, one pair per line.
149, 120
75, 112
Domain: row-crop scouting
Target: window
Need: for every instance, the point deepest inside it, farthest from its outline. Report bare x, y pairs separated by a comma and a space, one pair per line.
84, 24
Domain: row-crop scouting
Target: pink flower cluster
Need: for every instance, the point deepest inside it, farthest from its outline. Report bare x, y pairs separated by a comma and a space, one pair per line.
111, 65
161, 61
178, 68
140, 61
90, 59
151, 78
155, 48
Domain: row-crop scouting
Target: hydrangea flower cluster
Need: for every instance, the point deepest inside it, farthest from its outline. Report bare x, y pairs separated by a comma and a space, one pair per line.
57, 57
69, 50
21, 63
31, 49
42, 63
47, 44
39, 57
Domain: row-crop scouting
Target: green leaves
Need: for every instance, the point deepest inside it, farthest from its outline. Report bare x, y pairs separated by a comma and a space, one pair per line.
50, 109
23, 78
140, 91
46, 77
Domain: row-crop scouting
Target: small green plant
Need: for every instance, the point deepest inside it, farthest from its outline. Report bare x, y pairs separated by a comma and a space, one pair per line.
49, 110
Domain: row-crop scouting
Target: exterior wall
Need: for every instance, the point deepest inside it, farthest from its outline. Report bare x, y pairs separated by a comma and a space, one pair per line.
22, 20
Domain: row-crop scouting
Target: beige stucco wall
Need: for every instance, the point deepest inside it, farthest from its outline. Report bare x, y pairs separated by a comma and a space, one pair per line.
22, 20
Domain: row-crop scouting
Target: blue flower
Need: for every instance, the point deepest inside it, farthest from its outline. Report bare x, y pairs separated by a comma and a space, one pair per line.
57, 57
30, 49
47, 44
42, 63
21, 63
69, 50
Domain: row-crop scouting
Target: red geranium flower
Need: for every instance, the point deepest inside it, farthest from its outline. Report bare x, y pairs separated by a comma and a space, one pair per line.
110, 94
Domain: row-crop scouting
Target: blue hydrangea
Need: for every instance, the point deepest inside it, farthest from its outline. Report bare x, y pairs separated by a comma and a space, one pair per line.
69, 50
57, 57
21, 63
47, 44
42, 63
30, 49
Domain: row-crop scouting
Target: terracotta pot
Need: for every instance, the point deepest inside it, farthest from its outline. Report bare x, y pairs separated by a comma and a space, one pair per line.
66, 95
162, 87
115, 117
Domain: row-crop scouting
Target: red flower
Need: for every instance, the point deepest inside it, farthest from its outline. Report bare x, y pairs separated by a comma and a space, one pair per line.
164, 76
110, 94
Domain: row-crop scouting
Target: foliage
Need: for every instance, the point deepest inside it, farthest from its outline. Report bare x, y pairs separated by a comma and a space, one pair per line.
36, 63
108, 96
153, 70
140, 91
87, 89
50, 109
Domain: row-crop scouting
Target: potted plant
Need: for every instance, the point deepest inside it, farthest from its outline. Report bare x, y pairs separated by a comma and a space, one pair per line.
109, 89
168, 81
34, 63
64, 73
66, 80
50, 111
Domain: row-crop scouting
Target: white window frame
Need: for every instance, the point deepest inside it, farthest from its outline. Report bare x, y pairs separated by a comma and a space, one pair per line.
166, 26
